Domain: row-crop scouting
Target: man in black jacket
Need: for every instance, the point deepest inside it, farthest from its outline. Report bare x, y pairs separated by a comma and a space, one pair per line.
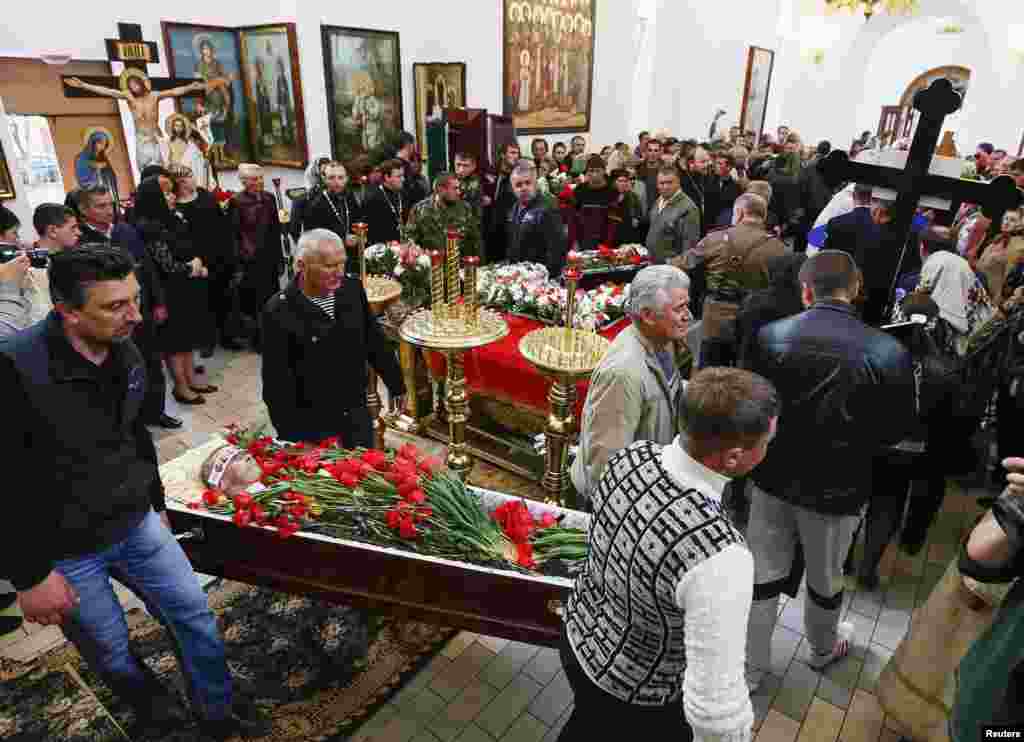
319, 335
71, 388
96, 208
385, 208
534, 230
847, 391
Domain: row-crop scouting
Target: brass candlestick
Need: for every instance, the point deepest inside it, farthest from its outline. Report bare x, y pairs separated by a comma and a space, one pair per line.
381, 292
453, 328
565, 355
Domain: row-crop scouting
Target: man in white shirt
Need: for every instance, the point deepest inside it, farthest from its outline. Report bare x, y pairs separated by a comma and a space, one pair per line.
658, 612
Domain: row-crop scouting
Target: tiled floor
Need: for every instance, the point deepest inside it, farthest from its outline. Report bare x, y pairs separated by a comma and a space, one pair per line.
482, 689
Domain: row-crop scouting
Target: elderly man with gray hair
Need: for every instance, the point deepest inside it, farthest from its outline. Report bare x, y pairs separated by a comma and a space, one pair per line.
635, 391
534, 228
318, 336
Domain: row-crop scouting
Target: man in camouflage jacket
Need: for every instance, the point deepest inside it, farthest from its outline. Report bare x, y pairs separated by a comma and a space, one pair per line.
432, 217
725, 267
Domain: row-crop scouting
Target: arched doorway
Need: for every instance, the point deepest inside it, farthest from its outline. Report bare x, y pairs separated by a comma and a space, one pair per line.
899, 121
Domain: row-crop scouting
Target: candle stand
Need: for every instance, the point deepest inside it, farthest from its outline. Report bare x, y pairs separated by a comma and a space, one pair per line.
565, 355
381, 292
453, 324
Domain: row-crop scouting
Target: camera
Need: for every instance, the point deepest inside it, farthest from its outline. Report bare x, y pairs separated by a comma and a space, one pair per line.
37, 257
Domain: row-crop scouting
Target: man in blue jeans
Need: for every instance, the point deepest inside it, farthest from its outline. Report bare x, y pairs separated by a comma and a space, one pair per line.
71, 388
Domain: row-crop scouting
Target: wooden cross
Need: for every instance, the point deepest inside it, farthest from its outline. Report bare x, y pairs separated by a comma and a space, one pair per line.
140, 92
135, 53
935, 102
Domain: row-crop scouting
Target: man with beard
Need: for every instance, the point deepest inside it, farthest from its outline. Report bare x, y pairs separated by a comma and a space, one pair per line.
385, 207
702, 186
257, 231
432, 218
335, 209
319, 335
144, 105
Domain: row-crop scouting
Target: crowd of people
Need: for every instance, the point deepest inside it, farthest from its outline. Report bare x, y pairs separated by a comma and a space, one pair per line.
772, 394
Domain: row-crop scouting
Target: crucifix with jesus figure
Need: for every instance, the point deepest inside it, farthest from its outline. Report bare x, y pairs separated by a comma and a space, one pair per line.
935, 103
135, 87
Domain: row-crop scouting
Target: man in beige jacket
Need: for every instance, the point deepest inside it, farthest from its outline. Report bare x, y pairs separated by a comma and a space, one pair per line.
635, 390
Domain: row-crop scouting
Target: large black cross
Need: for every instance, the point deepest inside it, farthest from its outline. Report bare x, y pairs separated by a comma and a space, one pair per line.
130, 49
935, 102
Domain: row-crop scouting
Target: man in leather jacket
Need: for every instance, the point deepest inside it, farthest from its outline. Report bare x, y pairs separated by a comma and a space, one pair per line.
847, 390
534, 230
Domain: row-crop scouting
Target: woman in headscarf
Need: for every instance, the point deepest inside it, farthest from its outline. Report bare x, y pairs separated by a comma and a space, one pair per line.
167, 238
963, 308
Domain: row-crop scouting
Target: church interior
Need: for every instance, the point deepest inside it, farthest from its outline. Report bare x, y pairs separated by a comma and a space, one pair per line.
363, 624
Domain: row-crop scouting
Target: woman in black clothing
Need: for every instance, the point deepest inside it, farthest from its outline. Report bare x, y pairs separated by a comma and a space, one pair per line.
168, 240
210, 233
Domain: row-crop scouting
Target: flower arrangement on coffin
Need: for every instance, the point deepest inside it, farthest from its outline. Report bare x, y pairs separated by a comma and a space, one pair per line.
523, 288
399, 499
606, 256
407, 263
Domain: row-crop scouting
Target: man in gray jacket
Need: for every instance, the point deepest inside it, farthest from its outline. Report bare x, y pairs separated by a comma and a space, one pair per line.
674, 219
634, 392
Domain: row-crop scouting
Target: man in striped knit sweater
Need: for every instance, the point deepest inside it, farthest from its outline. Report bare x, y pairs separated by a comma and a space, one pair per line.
656, 625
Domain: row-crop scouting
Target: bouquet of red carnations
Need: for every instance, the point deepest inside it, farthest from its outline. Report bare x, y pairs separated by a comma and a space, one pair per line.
402, 499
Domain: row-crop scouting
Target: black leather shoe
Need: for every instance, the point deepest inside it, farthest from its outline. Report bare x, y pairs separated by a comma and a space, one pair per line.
246, 720
206, 352
166, 421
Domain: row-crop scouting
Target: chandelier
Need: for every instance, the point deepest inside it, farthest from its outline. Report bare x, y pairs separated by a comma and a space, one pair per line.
870, 7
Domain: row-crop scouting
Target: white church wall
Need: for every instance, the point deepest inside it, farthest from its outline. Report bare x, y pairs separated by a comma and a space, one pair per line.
836, 99
457, 30
700, 61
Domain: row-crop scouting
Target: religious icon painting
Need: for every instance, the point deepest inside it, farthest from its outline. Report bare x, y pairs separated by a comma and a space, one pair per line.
438, 85
755, 91
273, 92
548, 54
93, 165
213, 54
364, 91
6, 181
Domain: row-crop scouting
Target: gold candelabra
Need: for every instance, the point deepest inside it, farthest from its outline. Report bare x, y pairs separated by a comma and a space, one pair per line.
452, 325
380, 293
565, 355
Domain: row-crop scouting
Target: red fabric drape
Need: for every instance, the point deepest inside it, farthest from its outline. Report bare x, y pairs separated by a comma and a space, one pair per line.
499, 370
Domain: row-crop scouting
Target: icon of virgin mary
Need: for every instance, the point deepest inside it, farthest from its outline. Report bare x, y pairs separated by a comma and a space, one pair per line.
92, 164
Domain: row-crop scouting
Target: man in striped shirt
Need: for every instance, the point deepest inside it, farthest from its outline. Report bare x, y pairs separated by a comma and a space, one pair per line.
319, 335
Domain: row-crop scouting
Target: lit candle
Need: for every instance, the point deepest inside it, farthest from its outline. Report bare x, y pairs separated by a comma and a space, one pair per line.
437, 283
360, 229
469, 295
572, 277
451, 289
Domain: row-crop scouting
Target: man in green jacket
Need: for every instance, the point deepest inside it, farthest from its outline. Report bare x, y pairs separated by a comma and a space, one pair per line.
674, 220
432, 217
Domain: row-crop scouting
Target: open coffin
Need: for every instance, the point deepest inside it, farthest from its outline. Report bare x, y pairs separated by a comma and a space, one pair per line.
496, 602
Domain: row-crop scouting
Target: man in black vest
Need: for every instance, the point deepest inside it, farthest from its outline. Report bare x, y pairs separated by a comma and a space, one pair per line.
385, 207
72, 388
319, 335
